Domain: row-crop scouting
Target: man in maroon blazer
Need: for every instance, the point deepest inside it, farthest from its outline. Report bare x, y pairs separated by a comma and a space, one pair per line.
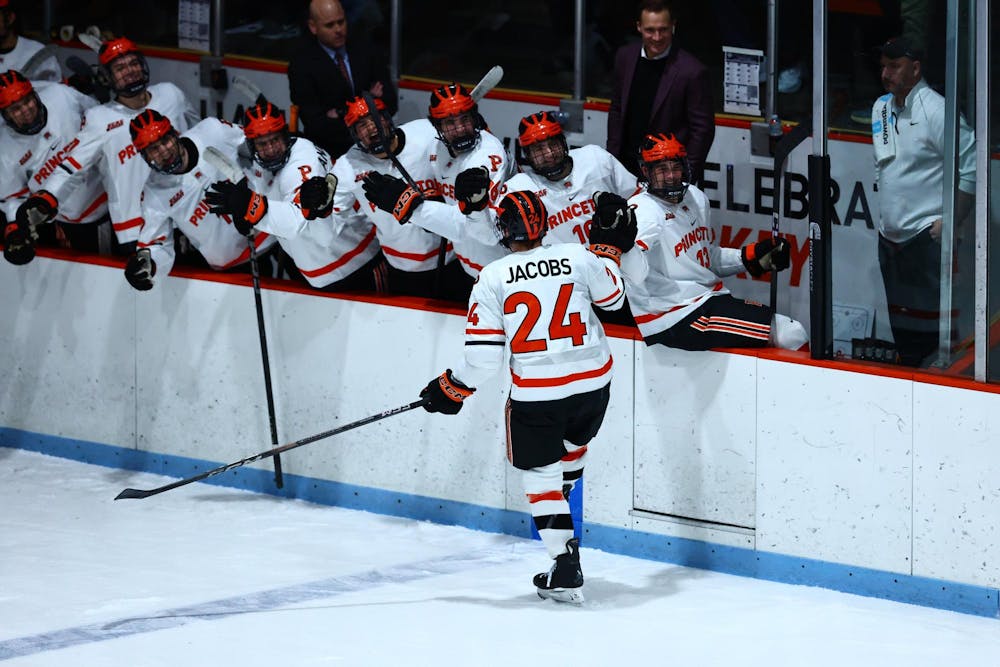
328, 71
659, 87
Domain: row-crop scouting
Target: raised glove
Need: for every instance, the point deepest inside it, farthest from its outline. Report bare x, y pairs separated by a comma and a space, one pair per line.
613, 228
445, 394
472, 189
392, 195
18, 247
316, 196
244, 206
38, 209
140, 269
771, 253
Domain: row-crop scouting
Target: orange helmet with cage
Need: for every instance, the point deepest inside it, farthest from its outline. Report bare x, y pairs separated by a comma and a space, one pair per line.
521, 216
149, 127
664, 166
454, 101
117, 48
265, 119
378, 141
541, 144
14, 87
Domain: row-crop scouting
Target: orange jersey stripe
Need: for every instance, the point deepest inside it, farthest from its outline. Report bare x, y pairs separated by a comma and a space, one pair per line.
545, 495
573, 456
410, 255
365, 242
128, 224
560, 381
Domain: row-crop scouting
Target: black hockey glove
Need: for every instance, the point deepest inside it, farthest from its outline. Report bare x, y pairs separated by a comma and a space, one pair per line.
316, 196
445, 394
244, 206
766, 255
613, 228
392, 195
18, 248
140, 269
39, 208
472, 189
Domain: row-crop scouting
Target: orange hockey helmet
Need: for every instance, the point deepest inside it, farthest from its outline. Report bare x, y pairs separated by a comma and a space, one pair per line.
149, 127
264, 119
453, 101
119, 48
549, 156
664, 166
14, 87
377, 142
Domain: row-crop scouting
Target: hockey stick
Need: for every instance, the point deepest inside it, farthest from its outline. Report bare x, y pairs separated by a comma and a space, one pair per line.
145, 493
215, 158
487, 83
34, 62
782, 149
249, 89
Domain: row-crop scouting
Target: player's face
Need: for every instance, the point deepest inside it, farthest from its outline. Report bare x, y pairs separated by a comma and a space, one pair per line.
368, 132
166, 154
23, 113
126, 70
665, 173
546, 154
271, 146
457, 127
657, 31
329, 24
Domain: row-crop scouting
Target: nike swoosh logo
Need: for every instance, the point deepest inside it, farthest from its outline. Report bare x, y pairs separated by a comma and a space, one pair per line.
912, 123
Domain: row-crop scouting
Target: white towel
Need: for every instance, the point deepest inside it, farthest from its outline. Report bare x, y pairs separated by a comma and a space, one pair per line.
883, 132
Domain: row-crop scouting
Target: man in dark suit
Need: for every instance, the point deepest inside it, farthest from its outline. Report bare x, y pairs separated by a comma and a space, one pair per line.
659, 87
328, 71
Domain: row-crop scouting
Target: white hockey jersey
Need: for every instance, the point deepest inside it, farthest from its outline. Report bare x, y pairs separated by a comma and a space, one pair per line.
538, 303
684, 258
16, 58
569, 202
26, 160
406, 247
473, 237
177, 201
106, 145
327, 249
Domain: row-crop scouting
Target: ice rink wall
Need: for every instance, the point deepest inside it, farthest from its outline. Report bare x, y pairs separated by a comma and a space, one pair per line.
877, 482
766, 464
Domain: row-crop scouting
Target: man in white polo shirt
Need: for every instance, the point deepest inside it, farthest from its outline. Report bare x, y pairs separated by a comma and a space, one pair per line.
908, 140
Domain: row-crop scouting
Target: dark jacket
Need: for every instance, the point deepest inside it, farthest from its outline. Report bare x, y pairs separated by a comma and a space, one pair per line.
316, 85
682, 105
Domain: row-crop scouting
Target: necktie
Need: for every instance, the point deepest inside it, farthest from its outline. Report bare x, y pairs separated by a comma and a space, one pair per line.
343, 70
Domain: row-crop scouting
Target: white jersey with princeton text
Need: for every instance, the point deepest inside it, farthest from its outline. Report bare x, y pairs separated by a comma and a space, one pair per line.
685, 261
177, 201
106, 145
26, 160
473, 236
23, 51
569, 201
324, 250
538, 303
406, 247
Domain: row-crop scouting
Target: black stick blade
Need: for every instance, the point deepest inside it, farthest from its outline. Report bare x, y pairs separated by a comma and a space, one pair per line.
133, 493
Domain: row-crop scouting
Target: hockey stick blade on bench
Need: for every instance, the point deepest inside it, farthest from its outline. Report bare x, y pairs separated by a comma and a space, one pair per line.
145, 493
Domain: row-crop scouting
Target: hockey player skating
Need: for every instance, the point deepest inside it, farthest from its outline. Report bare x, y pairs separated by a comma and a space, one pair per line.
682, 302
538, 300
174, 198
332, 252
412, 252
42, 122
105, 144
565, 179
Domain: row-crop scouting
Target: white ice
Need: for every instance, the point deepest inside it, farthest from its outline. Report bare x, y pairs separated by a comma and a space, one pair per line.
203, 575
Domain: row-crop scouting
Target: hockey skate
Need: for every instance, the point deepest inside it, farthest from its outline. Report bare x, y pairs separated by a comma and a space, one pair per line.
564, 581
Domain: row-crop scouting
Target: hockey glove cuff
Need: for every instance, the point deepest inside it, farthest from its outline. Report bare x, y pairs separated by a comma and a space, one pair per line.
614, 222
39, 208
445, 394
606, 250
392, 195
766, 255
244, 206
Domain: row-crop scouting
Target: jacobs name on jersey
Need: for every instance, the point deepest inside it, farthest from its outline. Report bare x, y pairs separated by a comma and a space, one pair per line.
543, 269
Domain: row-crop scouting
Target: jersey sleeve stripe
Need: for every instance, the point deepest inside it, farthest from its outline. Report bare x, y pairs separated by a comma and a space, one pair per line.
613, 297
484, 332
563, 380
245, 255
128, 224
344, 259
412, 255
90, 209
546, 495
485, 342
